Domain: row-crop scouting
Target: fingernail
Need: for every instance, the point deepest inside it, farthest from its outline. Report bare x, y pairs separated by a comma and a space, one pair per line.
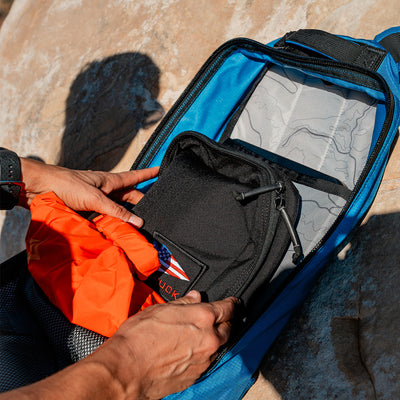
135, 221
193, 294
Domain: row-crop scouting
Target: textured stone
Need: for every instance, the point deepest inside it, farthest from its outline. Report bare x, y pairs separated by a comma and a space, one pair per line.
83, 84
5, 6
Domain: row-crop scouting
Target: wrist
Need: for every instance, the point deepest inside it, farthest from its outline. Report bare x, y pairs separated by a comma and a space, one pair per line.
99, 381
119, 366
34, 177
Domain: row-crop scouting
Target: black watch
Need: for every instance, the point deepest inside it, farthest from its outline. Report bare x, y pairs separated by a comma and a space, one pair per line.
10, 179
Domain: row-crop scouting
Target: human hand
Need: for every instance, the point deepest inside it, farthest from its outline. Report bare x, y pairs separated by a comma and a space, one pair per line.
85, 190
166, 347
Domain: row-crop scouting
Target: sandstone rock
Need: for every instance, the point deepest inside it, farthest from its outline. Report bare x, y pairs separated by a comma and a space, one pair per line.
5, 6
83, 84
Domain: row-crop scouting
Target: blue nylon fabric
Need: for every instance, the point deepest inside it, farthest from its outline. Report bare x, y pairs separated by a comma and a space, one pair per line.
390, 71
237, 367
234, 77
233, 375
387, 32
242, 361
229, 383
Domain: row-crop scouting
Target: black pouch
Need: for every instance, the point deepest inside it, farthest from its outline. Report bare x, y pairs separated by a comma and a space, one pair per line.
226, 217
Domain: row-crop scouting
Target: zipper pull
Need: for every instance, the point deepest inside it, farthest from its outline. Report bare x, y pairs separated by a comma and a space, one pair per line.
298, 251
278, 186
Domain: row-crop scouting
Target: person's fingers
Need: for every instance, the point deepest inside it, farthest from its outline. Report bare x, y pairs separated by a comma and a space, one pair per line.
224, 310
223, 331
192, 297
103, 205
119, 187
131, 196
128, 179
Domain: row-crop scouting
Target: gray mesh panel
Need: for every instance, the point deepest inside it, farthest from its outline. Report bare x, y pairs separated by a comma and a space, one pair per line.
322, 126
317, 124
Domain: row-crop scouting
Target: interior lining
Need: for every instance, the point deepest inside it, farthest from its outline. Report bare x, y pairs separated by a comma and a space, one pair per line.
325, 127
322, 126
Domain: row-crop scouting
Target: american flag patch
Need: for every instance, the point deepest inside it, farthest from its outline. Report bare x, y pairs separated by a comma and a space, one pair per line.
168, 263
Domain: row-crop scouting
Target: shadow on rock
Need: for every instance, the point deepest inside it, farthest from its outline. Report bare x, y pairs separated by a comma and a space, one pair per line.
108, 103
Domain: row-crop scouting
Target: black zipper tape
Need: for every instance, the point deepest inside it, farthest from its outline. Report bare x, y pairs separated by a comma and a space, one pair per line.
334, 69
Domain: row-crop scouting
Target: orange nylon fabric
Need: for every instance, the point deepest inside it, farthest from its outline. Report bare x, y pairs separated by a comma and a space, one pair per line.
92, 271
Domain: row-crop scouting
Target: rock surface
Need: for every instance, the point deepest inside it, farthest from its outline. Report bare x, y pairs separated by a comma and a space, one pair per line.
83, 84
5, 6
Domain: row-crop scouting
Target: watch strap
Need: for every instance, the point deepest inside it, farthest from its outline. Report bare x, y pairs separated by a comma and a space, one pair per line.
10, 179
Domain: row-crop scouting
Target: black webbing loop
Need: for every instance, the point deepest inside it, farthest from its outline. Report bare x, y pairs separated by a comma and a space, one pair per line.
392, 44
334, 47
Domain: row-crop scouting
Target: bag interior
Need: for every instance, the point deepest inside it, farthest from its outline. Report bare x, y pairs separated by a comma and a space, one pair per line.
322, 126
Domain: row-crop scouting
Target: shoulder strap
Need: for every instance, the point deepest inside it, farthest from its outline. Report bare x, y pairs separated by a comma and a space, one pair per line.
390, 40
317, 42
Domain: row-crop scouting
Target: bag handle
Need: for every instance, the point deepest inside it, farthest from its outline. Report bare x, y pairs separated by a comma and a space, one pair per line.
314, 41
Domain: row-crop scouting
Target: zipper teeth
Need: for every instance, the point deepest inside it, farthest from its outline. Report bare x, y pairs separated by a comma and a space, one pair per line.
339, 218
302, 264
224, 150
294, 61
301, 62
267, 177
161, 133
306, 259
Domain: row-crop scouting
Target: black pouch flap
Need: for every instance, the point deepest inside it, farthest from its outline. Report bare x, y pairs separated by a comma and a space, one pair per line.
217, 242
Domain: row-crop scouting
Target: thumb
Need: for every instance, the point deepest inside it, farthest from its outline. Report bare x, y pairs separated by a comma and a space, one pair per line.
109, 207
192, 297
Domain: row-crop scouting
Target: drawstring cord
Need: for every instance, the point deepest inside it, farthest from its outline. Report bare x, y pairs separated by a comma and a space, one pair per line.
280, 206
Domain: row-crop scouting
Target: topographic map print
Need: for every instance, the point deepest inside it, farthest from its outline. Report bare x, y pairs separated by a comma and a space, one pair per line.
317, 124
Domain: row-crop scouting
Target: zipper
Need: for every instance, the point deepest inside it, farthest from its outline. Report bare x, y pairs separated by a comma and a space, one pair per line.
172, 117
278, 187
208, 69
338, 220
313, 64
294, 237
306, 259
266, 178
217, 147
304, 63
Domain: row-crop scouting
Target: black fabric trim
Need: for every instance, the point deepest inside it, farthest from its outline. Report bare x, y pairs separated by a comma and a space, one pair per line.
323, 43
392, 44
13, 267
299, 173
233, 121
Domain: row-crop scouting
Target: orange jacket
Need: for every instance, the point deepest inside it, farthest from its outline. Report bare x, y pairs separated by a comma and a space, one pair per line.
92, 271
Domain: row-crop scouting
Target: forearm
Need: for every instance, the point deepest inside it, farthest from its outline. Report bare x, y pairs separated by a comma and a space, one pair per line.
84, 380
143, 360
